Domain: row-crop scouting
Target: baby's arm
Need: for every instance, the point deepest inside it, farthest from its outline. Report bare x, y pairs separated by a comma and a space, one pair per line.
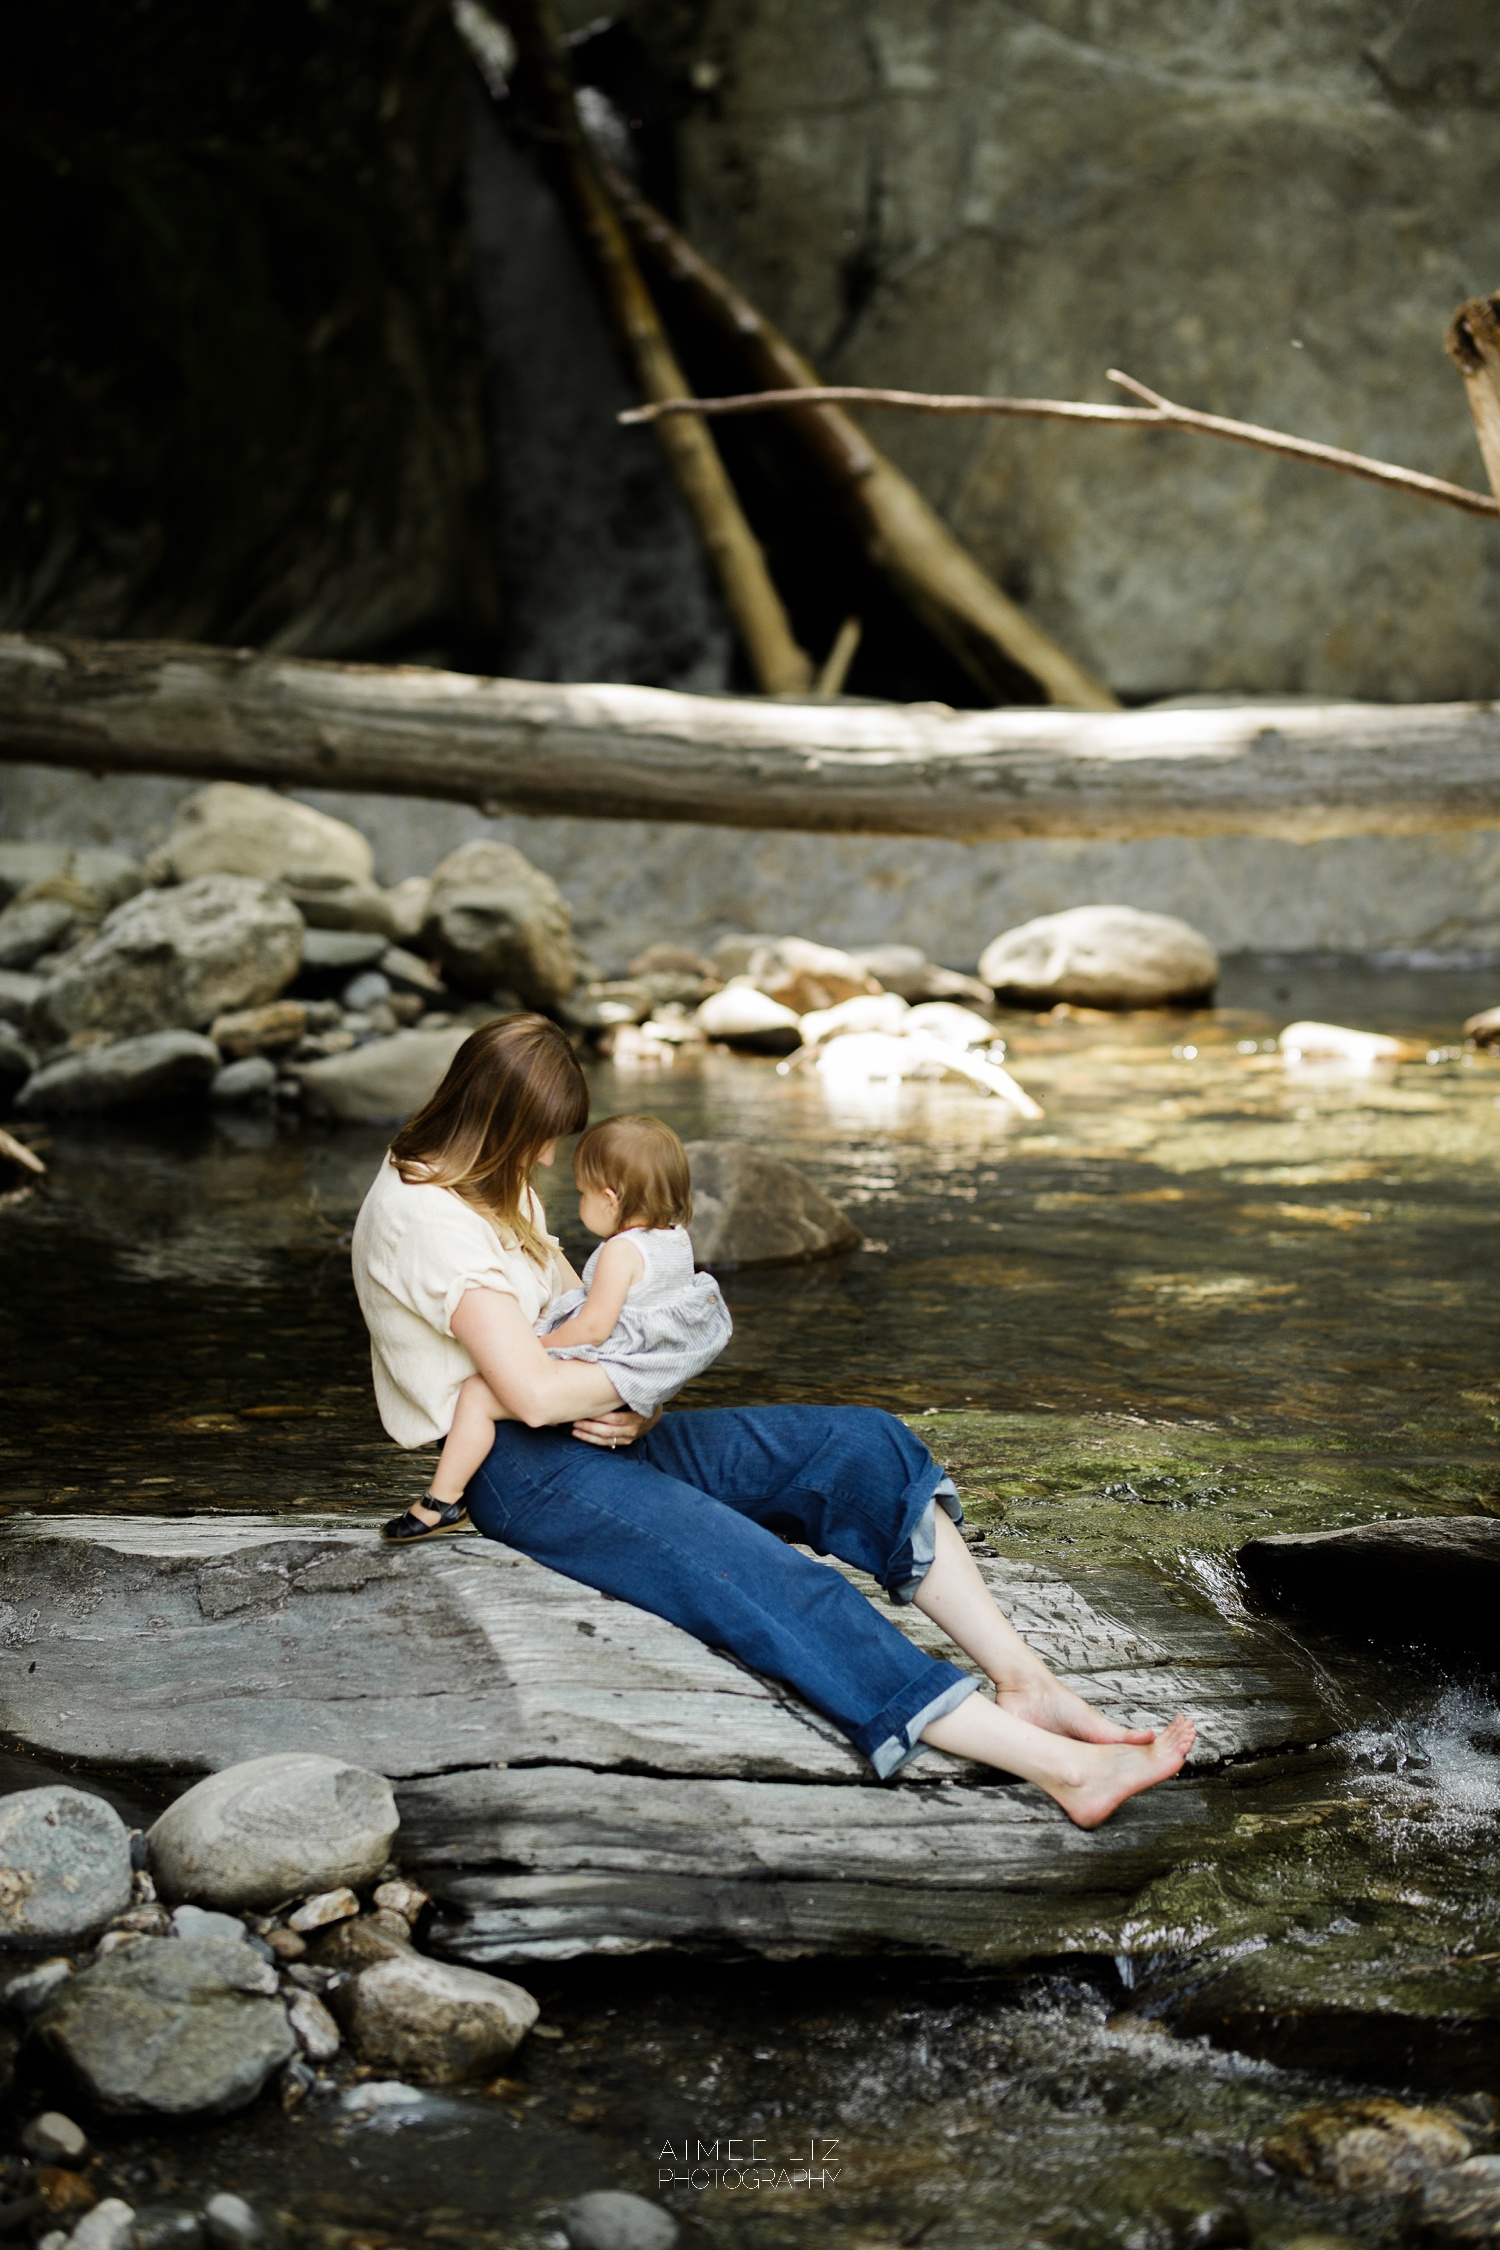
620, 1267
469, 1440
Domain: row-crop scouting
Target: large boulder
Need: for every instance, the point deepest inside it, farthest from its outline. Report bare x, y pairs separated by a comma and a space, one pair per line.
497, 923
1434, 1579
272, 1828
164, 1066
430, 2021
383, 1082
231, 829
64, 1866
173, 2026
754, 1210
177, 958
1101, 957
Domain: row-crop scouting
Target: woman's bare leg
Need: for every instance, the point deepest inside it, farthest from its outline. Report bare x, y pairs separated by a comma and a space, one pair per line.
956, 1598
1090, 1780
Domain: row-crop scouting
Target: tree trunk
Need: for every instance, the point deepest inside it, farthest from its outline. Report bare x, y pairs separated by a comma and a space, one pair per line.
1474, 342
1302, 771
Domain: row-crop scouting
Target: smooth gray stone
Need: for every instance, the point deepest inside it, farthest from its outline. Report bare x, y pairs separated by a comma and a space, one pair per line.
493, 919
64, 1866
1101, 957
272, 1828
201, 1922
173, 2027
232, 828
432, 2021
382, 1082
162, 1066
21, 865
406, 973
17, 1062
32, 928
19, 994
337, 954
612, 2219
754, 1210
250, 1079
230, 2223
365, 990
178, 958
344, 906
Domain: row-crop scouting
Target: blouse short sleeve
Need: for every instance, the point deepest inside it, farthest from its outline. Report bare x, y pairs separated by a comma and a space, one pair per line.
430, 1266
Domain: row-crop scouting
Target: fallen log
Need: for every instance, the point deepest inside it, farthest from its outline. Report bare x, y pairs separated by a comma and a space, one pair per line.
1302, 771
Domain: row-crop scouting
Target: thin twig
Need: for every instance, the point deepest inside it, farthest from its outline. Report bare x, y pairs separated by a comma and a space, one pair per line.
1158, 414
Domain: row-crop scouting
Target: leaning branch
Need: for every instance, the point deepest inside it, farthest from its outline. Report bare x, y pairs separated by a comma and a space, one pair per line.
1159, 414
1303, 771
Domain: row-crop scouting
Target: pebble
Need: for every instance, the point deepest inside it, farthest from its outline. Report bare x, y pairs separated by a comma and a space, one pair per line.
229, 2222
286, 1944
29, 1993
611, 2219
443, 2024
55, 2139
252, 1031
327, 1906
249, 1080
66, 1858
365, 990
401, 1898
200, 1922
378, 2094
272, 1828
107, 2227
315, 2028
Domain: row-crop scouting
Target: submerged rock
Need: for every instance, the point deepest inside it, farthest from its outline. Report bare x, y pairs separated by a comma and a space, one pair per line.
161, 1067
273, 1828
1430, 1578
1377, 2147
612, 2219
178, 958
493, 920
172, 2026
1101, 957
64, 1865
234, 829
230, 2223
383, 1082
435, 2022
1462, 2206
754, 1210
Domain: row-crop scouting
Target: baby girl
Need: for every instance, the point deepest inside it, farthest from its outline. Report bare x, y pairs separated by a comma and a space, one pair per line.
643, 1313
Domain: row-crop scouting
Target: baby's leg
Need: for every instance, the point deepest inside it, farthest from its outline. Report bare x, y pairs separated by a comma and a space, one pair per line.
469, 1440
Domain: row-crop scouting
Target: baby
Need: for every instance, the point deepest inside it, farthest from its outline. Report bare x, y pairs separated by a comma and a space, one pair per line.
643, 1313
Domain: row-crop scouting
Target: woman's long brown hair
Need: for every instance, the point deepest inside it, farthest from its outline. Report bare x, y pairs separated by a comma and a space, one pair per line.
513, 1086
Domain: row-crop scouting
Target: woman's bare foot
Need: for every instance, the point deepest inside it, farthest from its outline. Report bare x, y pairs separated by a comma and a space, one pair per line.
1114, 1772
1044, 1702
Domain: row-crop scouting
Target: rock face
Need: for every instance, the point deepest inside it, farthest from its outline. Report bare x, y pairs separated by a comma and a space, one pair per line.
64, 1866
430, 2021
743, 1016
754, 1210
231, 829
272, 1827
1435, 1579
180, 957
173, 2026
496, 922
1212, 181
385, 1081
164, 1066
1101, 957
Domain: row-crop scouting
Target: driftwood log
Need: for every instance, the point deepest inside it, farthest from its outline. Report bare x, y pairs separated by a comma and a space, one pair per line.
904, 537
1474, 345
1302, 771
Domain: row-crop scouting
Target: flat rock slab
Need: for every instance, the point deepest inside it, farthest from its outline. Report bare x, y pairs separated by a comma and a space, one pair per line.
575, 1774
1429, 1578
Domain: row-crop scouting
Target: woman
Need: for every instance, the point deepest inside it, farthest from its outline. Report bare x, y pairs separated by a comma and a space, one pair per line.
453, 1264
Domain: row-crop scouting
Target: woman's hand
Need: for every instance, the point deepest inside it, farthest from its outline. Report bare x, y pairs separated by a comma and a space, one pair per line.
620, 1428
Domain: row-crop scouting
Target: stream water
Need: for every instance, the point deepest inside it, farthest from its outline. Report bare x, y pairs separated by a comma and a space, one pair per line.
1276, 1286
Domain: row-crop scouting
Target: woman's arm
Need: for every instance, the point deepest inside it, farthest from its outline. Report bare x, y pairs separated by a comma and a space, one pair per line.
532, 1387
620, 1267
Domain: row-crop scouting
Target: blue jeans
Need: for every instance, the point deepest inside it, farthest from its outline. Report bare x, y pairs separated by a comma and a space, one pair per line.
685, 1522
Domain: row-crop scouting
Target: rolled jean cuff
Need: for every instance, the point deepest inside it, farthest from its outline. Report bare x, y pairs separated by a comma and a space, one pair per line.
893, 1738
912, 1567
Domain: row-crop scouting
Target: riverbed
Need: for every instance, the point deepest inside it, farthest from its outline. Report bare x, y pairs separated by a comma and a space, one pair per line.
1206, 1296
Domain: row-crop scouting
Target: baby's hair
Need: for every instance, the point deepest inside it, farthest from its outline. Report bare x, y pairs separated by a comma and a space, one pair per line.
646, 1165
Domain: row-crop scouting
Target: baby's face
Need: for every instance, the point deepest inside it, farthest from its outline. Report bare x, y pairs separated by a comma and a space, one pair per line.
598, 1209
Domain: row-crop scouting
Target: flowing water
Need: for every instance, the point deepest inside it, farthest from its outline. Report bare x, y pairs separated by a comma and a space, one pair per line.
1207, 1294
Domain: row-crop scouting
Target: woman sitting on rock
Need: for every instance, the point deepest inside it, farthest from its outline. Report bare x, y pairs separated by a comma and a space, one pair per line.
453, 1263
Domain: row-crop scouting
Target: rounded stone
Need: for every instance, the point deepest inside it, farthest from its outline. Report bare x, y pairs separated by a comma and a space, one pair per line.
1102, 957
493, 920
172, 2026
251, 1079
274, 1828
64, 1865
754, 1210
433, 2021
177, 958
612, 2219
159, 1068
743, 1016
234, 829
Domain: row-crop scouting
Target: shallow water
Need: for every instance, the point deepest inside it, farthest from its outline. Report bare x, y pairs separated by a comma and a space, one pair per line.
1276, 1288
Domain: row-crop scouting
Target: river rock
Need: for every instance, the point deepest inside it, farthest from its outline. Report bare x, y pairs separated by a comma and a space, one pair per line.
204, 1922
161, 1067
109, 2226
64, 1865
1462, 2205
19, 994
259, 1031
672, 960
34, 1989
1376, 2147
434, 2022
1483, 1030
953, 1025
90, 880
252, 1079
612, 2219
405, 972
331, 957
180, 957
874, 1011
53, 2138
344, 906
17, 1062
493, 920
804, 976
381, 1083
273, 1828
230, 2223
21, 865
233, 829
1101, 957
744, 1016
1429, 1578
317, 2033
32, 928
173, 2026
754, 1210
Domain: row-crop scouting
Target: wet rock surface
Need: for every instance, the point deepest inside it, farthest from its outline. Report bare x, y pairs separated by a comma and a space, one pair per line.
262, 1829
1413, 1578
160, 1067
174, 2026
179, 957
608, 2220
384, 1081
1102, 957
64, 1866
755, 1210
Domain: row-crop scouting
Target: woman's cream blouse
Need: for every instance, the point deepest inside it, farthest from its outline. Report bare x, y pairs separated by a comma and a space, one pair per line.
417, 1251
